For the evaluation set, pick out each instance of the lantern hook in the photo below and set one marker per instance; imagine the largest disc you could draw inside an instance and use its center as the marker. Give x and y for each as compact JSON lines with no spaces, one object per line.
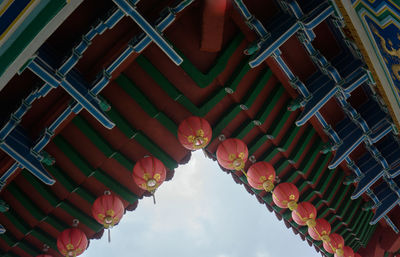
{"x":75,"y":223}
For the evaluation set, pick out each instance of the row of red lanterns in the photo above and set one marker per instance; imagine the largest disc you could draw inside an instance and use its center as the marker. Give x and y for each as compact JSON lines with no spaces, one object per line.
{"x":148,"y":174}
{"x":195,"y":133}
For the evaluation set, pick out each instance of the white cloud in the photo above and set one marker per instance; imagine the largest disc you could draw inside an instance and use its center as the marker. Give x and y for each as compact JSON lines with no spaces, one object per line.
{"x":262,"y":254}
{"x":200,"y":212}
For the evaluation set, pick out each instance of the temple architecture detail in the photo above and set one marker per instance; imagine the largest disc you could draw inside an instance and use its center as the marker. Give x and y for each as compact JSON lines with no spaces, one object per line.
{"x":308,"y":88}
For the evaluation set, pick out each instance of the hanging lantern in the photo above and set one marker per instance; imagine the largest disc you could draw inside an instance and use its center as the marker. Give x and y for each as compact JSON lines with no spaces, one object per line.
{"x":320,"y":231}
{"x":305,"y":214}
{"x":108,"y":210}
{"x":149,"y":173}
{"x":357,"y":255}
{"x":347,"y":252}
{"x":334,"y":244}
{"x":194,"y":133}
{"x":261,"y":175}
{"x":286,"y":195}
{"x":232,"y":154}
{"x":72,"y":242}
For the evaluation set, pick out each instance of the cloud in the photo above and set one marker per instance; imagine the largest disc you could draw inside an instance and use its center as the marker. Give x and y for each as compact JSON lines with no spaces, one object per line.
{"x":262,"y":254}
{"x":200,"y":212}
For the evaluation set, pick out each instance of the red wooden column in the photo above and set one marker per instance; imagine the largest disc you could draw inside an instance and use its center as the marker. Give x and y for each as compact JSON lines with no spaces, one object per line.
{"x":213,"y":25}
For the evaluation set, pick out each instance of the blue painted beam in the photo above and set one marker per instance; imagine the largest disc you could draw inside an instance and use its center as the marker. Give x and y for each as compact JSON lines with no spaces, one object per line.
{"x":386,"y":205}
{"x":373,"y":128}
{"x":319,"y":98}
{"x":251,"y":21}
{"x":98,"y":86}
{"x":278,"y":37}
{"x":73,"y":86}
{"x":295,"y":8}
{"x":292,"y":25}
{"x":352,"y":136}
{"x":130,"y":9}
{"x":367,"y":180}
{"x":18,"y":148}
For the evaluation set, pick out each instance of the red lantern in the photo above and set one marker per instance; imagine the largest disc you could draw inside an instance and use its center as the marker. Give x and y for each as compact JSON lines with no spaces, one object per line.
{"x":305,"y":214}
{"x":334,"y":244}
{"x":44,"y":255}
{"x":320,"y":231}
{"x":232,"y":154}
{"x":286,"y":195}
{"x":72,"y":242}
{"x":149,"y":173}
{"x":108,"y":210}
{"x":194,"y":133}
{"x":261,"y":175}
{"x":347,"y":252}
{"x":357,"y":255}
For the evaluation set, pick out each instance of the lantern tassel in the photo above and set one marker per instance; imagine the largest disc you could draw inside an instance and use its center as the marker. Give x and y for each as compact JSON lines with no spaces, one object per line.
{"x":153,"y":194}
{"x":244,"y":173}
{"x":109,"y":236}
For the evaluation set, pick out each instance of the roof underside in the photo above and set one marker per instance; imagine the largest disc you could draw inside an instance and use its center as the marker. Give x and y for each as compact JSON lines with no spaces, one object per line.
{"x":149,"y":96}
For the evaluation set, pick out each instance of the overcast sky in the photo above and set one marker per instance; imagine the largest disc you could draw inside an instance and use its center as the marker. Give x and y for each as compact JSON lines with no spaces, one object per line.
{"x":201,"y":212}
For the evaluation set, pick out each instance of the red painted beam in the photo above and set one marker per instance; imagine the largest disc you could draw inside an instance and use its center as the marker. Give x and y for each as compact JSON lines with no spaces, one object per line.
{"x":213,"y":25}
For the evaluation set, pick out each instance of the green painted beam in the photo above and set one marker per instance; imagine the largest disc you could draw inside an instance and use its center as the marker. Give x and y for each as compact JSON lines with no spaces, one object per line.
{"x":203,"y":80}
{"x":256,"y":89}
{"x":301,"y":184}
{"x":339,"y":197}
{"x":257,"y":143}
{"x":241,"y":70}
{"x":301,"y":145}
{"x":319,"y":169}
{"x":101,"y":143}
{"x":17,"y":221}
{"x":93,"y":135}
{"x":364,"y":228}
{"x":100,"y":175}
{"x":269,"y":154}
{"x":82,"y":217}
{"x":75,"y":157}
{"x":369,"y":234}
{"x":287,"y":139}
{"x":28,"y":248}
{"x":310,"y":157}
{"x":153,"y":148}
{"x":121,"y":123}
{"x":348,"y":217}
{"x":225,"y":119}
{"x":25,"y":229}
{"x":243,"y":129}
{"x":276,"y":126}
{"x":323,"y":183}
{"x":290,"y":176}
{"x":334,"y":186}
{"x":346,"y":205}
{"x":116,"y":187}
{"x":270,"y":103}
{"x":135,"y":93}
{"x":25,"y":201}
{"x":178,"y":96}
{"x":282,"y":164}
{"x":69,"y":208}
{"x":360,"y":222}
